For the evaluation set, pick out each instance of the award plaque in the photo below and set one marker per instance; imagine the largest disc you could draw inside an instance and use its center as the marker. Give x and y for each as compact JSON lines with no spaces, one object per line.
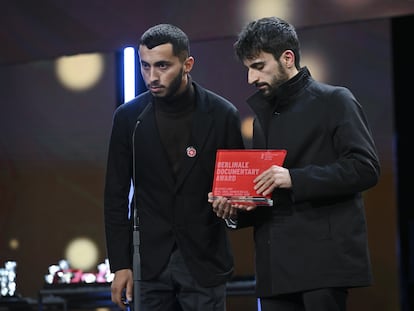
{"x":236,"y":169}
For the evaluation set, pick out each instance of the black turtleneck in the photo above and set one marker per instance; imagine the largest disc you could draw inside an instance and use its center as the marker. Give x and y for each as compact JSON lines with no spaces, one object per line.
{"x":174,"y":121}
{"x":283,"y":93}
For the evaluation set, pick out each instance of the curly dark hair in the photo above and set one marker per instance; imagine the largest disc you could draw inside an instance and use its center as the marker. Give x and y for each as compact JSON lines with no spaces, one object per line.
{"x":269,"y":34}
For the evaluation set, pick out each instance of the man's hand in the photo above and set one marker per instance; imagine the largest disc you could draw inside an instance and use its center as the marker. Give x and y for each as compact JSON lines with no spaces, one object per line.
{"x":123,"y":280}
{"x":226,"y":209}
{"x":222,"y":206}
{"x":272,"y":178}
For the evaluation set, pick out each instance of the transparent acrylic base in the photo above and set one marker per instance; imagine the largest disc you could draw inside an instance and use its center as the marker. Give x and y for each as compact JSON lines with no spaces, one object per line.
{"x":245,"y":200}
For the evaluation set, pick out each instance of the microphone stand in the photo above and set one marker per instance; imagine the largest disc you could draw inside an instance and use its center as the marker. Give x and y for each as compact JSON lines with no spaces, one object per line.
{"x":136,"y":261}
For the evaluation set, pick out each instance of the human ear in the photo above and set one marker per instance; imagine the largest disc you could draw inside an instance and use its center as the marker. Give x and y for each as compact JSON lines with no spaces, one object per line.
{"x":288,"y":58}
{"x":188,"y":64}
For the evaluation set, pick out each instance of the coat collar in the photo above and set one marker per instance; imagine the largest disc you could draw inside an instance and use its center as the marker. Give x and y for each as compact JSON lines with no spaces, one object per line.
{"x":287,"y":90}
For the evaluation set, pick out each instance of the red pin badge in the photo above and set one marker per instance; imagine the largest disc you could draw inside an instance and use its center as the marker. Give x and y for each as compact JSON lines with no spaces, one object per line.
{"x":191,"y":152}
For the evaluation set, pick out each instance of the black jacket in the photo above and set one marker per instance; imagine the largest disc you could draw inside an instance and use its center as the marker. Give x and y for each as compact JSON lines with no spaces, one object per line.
{"x":172,"y":210}
{"x":315,"y":235}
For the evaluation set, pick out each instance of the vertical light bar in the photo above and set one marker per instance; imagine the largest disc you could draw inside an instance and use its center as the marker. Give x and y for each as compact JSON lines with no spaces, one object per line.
{"x":129,"y":74}
{"x":129,"y":93}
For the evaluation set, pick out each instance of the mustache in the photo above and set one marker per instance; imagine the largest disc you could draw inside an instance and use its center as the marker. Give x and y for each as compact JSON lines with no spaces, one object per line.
{"x":259,"y":84}
{"x":154,"y":84}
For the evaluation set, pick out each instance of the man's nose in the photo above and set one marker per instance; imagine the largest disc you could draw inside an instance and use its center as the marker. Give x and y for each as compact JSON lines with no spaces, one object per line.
{"x":251,"y":77}
{"x":153,"y":75}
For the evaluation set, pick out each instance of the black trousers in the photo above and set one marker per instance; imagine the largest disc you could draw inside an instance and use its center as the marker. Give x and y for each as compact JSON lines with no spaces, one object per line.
{"x":325,"y":299}
{"x":176,"y":290}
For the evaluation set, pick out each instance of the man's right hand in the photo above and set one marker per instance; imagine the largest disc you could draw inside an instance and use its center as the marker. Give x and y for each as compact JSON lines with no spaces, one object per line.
{"x":123,"y":280}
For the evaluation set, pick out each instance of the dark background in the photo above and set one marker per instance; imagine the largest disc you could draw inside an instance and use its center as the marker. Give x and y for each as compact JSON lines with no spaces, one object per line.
{"x":53,"y":147}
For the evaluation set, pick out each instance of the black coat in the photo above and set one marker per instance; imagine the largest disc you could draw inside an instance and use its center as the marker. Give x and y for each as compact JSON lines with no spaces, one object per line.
{"x":172,"y":210}
{"x":315,"y":235}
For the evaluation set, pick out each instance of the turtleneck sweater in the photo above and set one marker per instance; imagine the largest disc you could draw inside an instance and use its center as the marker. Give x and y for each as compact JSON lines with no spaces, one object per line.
{"x":174,"y":121}
{"x":283,"y":93}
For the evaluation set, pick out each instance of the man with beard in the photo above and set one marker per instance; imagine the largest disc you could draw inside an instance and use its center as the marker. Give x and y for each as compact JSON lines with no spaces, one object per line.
{"x":165,"y":141}
{"x":311,"y":246}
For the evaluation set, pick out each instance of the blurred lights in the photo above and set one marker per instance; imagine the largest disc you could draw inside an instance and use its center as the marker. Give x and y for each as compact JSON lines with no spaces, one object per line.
{"x":8,"y":279}
{"x":254,"y":9}
{"x":247,"y":127}
{"x":79,"y":72}
{"x":14,"y":244}
{"x":82,"y":253}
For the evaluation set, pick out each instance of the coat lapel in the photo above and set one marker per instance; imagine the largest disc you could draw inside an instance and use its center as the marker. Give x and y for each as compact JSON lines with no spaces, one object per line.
{"x":202,"y":123}
{"x":148,"y":137}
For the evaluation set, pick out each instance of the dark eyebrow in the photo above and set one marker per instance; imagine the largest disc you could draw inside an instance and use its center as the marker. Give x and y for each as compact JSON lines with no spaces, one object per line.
{"x":257,"y":64}
{"x":161,"y":62}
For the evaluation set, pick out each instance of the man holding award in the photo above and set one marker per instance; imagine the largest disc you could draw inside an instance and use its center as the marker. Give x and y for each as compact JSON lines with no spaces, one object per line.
{"x":311,"y":243}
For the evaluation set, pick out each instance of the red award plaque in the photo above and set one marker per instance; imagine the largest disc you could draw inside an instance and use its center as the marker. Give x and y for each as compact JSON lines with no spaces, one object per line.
{"x":236,"y":169}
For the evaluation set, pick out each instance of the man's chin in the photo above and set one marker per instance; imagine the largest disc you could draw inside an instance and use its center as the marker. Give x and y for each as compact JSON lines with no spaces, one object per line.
{"x":158,"y":94}
{"x":265,"y":92}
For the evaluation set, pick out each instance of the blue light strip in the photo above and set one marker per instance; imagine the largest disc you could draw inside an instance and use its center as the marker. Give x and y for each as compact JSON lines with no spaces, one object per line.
{"x":129,"y":93}
{"x":129,"y":74}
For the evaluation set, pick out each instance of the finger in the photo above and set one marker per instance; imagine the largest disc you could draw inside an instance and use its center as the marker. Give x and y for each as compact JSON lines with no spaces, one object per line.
{"x":129,"y":291}
{"x":268,"y":189}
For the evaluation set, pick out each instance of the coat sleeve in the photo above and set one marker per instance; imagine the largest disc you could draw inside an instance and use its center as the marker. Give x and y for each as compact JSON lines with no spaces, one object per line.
{"x":355,"y":166}
{"x":118,"y":225}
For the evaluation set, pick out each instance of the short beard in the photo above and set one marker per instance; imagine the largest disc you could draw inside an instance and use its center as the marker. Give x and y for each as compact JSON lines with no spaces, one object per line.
{"x":174,"y":86}
{"x":277,"y":81}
